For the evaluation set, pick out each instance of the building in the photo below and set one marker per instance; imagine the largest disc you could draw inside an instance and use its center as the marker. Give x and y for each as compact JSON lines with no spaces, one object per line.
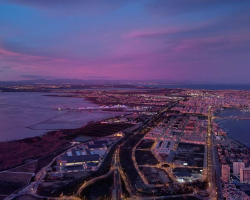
{"x":78,"y":160}
{"x":97,"y":148}
{"x":164,"y":147}
{"x":225,"y":173}
{"x":237,"y":166}
{"x":230,"y":192}
{"x":56,"y":176}
{"x":245,"y":175}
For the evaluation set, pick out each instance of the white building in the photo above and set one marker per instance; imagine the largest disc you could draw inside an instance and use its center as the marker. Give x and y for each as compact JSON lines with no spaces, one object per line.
{"x":237,"y":166}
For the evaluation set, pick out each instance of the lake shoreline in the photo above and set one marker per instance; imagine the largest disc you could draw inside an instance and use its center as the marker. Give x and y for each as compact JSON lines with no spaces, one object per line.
{"x":16,"y":152}
{"x":232,"y":134}
{"x":19,"y":152}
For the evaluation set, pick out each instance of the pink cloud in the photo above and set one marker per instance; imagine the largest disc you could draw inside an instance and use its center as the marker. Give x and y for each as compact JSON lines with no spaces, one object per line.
{"x":153,"y":32}
{"x":148,"y":33}
{"x":216,"y":43}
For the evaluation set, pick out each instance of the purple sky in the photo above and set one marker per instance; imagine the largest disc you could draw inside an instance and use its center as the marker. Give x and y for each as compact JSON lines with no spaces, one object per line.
{"x":198,"y":41}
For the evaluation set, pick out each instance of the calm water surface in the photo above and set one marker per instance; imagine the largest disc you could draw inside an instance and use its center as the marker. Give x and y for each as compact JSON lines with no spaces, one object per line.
{"x":238,"y":129}
{"x":205,"y":86}
{"x":30,"y":114}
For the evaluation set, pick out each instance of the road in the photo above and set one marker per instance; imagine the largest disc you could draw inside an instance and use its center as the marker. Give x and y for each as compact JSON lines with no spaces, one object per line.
{"x":159,"y":197}
{"x":85,"y":184}
{"x":116,"y":168}
{"x":32,"y":187}
{"x":117,"y":177}
{"x":218,"y":175}
{"x":112,"y":169}
{"x":210,"y":160}
{"x":166,"y":197}
{"x":125,"y":179}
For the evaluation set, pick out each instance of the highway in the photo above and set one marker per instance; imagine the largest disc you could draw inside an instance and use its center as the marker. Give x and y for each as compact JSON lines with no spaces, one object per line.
{"x":211,"y":160}
{"x":218,"y":175}
{"x":117,"y":178}
{"x":114,"y":168}
{"x":166,"y":197}
{"x":118,"y":173}
{"x":85,"y":184}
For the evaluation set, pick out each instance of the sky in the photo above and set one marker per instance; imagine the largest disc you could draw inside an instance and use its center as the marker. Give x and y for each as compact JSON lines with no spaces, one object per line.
{"x":188,"y":41}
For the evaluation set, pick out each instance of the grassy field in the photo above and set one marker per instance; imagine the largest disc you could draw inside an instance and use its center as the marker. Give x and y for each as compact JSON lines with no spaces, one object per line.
{"x":18,"y":152}
{"x":127,"y":162}
{"x":96,"y":130}
{"x":27,"y":197}
{"x":10,"y":182}
{"x":145,"y":158}
{"x":30,"y":168}
{"x":94,"y":191}
{"x":145,"y":144}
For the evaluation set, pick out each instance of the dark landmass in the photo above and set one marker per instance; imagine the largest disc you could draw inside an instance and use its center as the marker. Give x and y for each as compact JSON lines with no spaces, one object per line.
{"x":127,"y":161}
{"x":54,"y":87}
{"x":145,"y":144}
{"x":96,"y":130}
{"x":72,"y":187}
{"x":10,"y":182}
{"x":15,"y":153}
{"x":28,"y":197}
{"x":145,"y":158}
{"x":94,"y":191}
{"x":19,"y":152}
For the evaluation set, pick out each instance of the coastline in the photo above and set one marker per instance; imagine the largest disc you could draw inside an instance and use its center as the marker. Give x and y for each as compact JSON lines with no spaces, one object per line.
{"x":18,"y":152}
{"x":36,"y":147}
{"x":232,"y":138}
{"x":230,"y":135}
{"x":238,"y":142}
{"x":33,"y":114}
{"x":21,"y":151}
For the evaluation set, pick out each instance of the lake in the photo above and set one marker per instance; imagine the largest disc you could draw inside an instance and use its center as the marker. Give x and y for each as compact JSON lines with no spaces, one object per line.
{"x":29,"y":114}
{"x":237,"y":129}
{"x":203,"y":86}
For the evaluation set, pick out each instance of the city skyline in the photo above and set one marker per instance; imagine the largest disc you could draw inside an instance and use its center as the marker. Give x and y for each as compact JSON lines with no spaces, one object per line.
{"x":176,"y":41}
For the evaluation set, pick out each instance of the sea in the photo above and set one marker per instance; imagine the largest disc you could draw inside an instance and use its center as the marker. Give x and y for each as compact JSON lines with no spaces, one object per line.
{"x":236,"y":129}
{"x":29,"y":114}
{"x":203,"y":86}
